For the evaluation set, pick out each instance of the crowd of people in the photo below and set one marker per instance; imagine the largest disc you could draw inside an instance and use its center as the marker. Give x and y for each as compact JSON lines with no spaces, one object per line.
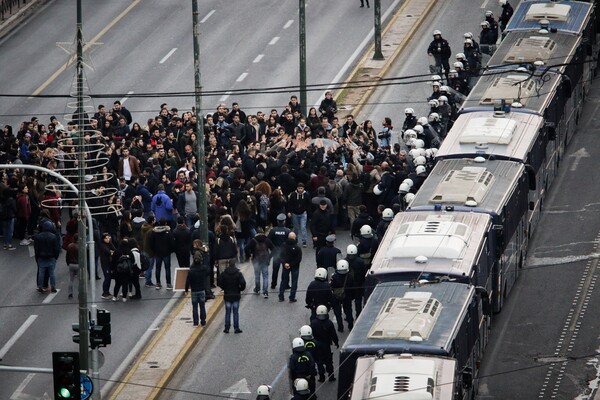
{"x":275,"y":184}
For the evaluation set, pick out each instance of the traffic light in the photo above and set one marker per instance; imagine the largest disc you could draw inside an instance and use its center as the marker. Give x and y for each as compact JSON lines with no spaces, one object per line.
{"x":65,"y":370}
{"x":100,"y":332}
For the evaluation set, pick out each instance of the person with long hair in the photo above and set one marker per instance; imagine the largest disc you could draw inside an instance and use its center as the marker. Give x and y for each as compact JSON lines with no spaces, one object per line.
{"x":244,"y":224}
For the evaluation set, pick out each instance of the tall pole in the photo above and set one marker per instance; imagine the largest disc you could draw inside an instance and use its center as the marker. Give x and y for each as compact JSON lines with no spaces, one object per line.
{"x":83,"y":274}
{"x":302,"y":36}
{"x":201,"y":165}
{"x":378,"y":55}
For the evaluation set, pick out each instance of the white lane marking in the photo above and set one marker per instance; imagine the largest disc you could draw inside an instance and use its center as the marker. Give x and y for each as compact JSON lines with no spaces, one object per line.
{"x":224,"y":97}
{"x":169,"y":54}
{"x":18,"y":394}
{"x":207,"y":16}
{"x":274,"y":40}
{"x":484,"y":4}
{"x":124,"y":99}
{"x":288,"y":24}
{"x":258,"y":58}
{"x":279,"y":376}
{"x":17,"y":335}
{"x":350,"y":62}
{"x":51,"y":296}
{"x":242,"y":77}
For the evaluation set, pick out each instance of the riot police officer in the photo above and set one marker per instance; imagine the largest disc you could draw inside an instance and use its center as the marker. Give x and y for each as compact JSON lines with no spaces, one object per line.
{"x":342,"y":286}
{"x":358,"y":271}
{"x":278,"y":236}
{"x":302,"y":364}
{"x":328,"y":255}
{"x":325,"y":335}
{"x":318,"y":293}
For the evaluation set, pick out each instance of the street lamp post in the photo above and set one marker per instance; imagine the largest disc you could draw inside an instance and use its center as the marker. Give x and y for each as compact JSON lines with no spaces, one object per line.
{"x":378,"y":55}
{"x":302,"y":36}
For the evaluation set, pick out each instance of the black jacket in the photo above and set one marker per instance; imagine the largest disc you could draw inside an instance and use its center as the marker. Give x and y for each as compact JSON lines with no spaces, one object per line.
{"x":320,"y":223}
{"x":46,"y":245}
{"x":324,"y":332}
{"x":162,"y":241}
{"x":292,"y":253}
{"x":233,"y":283}
{"x":196,"y":279}
{"x":327,"y":256}
{"x":225,"y":248}
{"x":251,"y":247}
{"x":183,"y":239}
{"x":440,"y":47}
{"x":361,"y":219}
{"x":299,"y":203}
{"x":318,"y":293}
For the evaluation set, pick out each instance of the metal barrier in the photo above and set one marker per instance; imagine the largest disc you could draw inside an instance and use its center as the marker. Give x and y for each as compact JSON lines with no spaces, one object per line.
{"x":6,"y":7}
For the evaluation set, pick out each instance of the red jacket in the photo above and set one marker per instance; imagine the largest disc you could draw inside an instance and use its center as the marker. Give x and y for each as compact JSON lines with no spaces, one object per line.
{"x":23,"y":206}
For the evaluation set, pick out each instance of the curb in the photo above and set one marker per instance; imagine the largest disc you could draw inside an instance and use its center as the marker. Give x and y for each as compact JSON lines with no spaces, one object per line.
{"x":187,"y":348}
{"x":387,"y":65}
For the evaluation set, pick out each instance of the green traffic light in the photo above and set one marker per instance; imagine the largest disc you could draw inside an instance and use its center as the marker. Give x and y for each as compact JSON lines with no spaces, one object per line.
{"x":65,"y":393}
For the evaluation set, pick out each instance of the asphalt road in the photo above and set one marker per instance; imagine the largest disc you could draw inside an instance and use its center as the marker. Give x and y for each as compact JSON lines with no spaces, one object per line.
{"x":147,"y":48}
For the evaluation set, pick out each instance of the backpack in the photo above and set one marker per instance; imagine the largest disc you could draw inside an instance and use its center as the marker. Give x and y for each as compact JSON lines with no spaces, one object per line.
{"x":125,"y":265}
{"x":340,"y":293}
{"x":261,"y":251}
{"x":144,"y":261}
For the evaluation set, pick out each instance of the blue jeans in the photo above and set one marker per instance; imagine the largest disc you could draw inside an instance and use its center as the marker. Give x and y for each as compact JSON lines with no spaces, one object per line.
{"x":148,"y":273}
{"x":236,"y":316}
{"x":8,"y":228}
{"x":167,"y":261}
{"x":285,"y":276}
{"x":261,"y":269}
{"x":241,"y":244}
{"x":198,"y":300}
{"x":46,"y":265}
{"x":299,"y":222}
{"x":107,"y":280}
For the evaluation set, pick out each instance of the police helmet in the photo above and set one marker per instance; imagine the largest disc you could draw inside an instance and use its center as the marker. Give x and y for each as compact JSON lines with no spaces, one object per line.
{"x":419,"y":144}
{"x":409,"y":182}
{"x":409,"y":111}
{"x":297,"y":344}
{"x":351,"y":249}
{"x":321,"y":273}
{"x":433,"y":151}
{"x":420,"y":161}
{"x":460,"y":56}
{"x":428,"y":153}
{"x":408,"y":198}
{"x":437,"y":32}
{"x":366,"y":231}
{"x":502,"y":2}
{"x":387,"y":214}
{"x":444,"y":89}
{"x":485,"y":24}
{"x":468,"y":41}
{"x":434,"y":117}
{"x":434,"y":103}
{"x":452,"y":73}
{"x":377,"y":190}
{"x":468,"y":35}
{"x":436,"y":83}
{"x":306,"y":331}
{"x":420,"y":169}
{"x":301,"y":386}
{"x":435,"y":78}
{"x":423,"y":121}
{"x":322,"y":312}
{"x":443,"y":99}
{"x":404,"y":188}
{"x":458,"y":64}
{"x":414,"y":153}
{"x":488,"y":13}
{"x":410,"y":134}
{"x":419,"y":128}
{"x":263,"y":390}
{"x":342,"y":267}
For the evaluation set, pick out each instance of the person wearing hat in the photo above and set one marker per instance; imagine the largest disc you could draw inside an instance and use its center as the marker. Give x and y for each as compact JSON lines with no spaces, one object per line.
{"x":320,"y":225}
{"x":328,"y":256}
{"x":278,"y":235}
{"x":321,"y":196}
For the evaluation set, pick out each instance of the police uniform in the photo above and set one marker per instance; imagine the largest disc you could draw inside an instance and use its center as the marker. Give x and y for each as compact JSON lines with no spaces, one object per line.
{"x":324,"y":335}
{"x":302,"y":365}
{"x":345,"y":284}
{"x":318,"y":294}
{"x":327,"y":256}
{"x":278,"y":236}
{"x":358,"y":271}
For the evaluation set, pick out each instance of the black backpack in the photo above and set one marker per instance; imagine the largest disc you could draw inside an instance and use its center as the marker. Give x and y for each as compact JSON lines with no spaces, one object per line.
{"x":125,"y":265}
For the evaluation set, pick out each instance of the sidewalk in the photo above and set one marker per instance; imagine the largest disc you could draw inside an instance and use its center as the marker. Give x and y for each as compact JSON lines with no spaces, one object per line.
{"x":176,"y":338}
{"x":16,"y":14}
